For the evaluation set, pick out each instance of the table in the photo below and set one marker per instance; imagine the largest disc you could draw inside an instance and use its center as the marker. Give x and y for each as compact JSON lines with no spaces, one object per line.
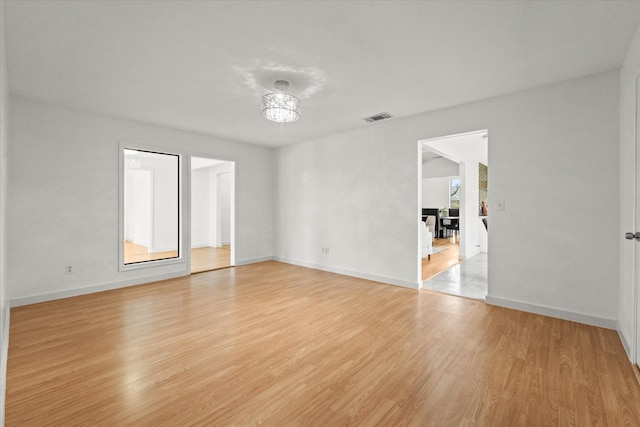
{"x":450,"y":223}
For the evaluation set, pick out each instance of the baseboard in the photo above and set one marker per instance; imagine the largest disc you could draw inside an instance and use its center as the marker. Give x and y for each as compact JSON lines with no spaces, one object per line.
{"x":254,"y":260}
{"x":626,"y":342}
{"x":359,"y":275}
{"x":201,"y":245}
{"x":473,"y":253}
{"x":4,"y":355}
{"x":34,"y":299}
{"x":157,"y":250}
{"x":553,"y":312}
{"x":636,"y":372}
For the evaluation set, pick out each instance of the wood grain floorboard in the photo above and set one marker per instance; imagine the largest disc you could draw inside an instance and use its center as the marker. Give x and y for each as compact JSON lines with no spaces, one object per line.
{"x":281,"y":345}
{"x":442,"y":260}
{"x":209,"y":258}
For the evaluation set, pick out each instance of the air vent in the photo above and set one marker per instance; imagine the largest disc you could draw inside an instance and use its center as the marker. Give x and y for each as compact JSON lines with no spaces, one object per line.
{"x":377,"y":117}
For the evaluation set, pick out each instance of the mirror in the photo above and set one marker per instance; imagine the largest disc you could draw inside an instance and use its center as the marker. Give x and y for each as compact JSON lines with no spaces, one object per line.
{"x":151,"y":207}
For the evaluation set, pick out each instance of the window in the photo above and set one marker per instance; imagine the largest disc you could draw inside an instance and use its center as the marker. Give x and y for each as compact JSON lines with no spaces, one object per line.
{"x":454,"y":193}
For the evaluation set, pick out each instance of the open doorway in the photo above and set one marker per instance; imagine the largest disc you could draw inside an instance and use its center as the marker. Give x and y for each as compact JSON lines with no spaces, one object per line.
{"x":454,"y":202}
{"x":212,"y":214}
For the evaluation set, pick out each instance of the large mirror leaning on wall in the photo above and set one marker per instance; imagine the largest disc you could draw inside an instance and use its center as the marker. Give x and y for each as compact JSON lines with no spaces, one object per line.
{"x":151,"y":206}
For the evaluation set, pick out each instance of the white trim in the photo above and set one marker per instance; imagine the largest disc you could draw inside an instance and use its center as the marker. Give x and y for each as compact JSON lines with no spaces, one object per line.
{"x":253,"y":260}
{"x":474,"y":253}
{"x":351,"y":273}
{"x":624,"y":338}
{"x":4,"y":355}
{"x":202,"y":245}
{"x":553,"y":312}
{"x":34,"y":299}
{"x":167,"y":249}
{"x":635,"y":285}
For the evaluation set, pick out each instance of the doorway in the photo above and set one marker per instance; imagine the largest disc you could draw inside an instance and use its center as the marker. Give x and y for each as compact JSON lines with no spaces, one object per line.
{"x":453,"y":190}
{"x":212,"y":214}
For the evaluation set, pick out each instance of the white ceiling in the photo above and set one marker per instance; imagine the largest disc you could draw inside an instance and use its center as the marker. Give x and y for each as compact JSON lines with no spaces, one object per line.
{"x":203,"y":66}
{"x":471,"y":146}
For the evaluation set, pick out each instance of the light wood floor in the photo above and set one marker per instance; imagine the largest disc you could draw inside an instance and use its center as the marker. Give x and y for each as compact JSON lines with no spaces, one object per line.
{"x":443,"y":260}
{"x":139,"y":253}
{"x":284,"y":345}
{"x":208,"y":258}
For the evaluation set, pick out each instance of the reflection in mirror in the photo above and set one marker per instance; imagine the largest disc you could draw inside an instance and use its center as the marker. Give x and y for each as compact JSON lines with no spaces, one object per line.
{"x":151,"y":206}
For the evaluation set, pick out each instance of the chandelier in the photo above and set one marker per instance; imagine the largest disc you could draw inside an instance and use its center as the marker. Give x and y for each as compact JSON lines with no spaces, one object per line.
{"x":280,"y":106}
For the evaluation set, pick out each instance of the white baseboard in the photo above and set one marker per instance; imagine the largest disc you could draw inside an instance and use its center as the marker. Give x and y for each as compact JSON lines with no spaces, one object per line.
{"x":553,"y":312}
{"x":626,"y":342}
{"x":3,"y":362}
{"x":254,"y":260}
{"x":372,"y":277}
{"x":34,"y":299}
{"x":167,"y":249}
{"x":471,"y":254}
{"x":201,"y":245}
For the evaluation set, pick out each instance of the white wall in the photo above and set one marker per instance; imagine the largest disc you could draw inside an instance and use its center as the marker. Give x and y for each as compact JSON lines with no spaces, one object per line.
{"x":469,"y":196}
{"x":224,"y":206}
{"x":628,"y":72}
{"x":553,"y":156}
{"x":4,"y":142}
{"x":56,"y":219}
{"x":165,"y":204}
{"x":137,"y":206}
{"x":435,"y":192}
{"x":439,"y":167}
{"x":208,"y":198}
{"x":200,"y":199}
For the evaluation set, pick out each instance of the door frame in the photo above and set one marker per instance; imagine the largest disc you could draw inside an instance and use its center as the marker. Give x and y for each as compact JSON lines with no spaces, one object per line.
{"x":635,"y":352}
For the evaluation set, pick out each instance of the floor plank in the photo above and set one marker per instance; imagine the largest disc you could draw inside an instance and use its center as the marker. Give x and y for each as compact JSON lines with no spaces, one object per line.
{"x":442,"y":260}
{"x":282,"y":345}
{"x":209,"y":258}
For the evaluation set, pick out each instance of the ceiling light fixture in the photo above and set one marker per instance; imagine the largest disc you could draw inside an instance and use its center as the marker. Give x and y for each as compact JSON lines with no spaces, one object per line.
{"x":280,"y":106}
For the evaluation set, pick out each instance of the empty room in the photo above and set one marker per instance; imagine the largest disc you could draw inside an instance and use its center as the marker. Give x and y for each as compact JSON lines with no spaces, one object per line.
{"x":288,"y":136}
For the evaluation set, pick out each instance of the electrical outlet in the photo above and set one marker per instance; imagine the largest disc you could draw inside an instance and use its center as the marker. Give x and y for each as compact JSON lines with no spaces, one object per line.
{"x":68,"y":269}
{"x":325,"y":250}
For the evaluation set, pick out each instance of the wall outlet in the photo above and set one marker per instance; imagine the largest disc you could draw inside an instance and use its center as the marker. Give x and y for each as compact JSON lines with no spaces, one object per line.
{"x":325,"y":250}
{"x":499,"y":205}
{"x":68,"y":269}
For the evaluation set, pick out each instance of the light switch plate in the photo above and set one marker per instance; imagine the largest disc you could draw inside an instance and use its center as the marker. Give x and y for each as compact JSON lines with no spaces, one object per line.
{"x":499,"y":205}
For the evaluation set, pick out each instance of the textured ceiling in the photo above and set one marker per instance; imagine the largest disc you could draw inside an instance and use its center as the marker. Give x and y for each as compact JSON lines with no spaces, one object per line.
{"x":203,"y":66}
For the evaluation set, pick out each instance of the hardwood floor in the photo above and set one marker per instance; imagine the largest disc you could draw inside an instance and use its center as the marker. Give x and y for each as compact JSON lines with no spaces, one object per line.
{"x":208,"y":258}
{"x":139,"y":253}
{"x":282,"y":345}
{"x":443,"y":260}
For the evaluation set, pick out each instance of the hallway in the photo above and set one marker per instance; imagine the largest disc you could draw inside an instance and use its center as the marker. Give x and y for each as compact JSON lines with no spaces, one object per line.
{"x":466,"y":279}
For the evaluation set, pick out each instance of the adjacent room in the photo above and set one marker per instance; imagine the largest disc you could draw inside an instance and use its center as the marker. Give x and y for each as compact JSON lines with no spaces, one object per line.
{"x":257,"y":212}
{"x":455,"y":190}
{"x":212,"y":213}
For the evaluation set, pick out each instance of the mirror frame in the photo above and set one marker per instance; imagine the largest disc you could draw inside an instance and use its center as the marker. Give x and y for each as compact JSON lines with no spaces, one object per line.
{"x":122,"y":266}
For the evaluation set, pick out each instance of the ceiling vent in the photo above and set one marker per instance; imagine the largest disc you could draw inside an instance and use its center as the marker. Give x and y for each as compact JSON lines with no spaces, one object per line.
{"x":377,"y":117}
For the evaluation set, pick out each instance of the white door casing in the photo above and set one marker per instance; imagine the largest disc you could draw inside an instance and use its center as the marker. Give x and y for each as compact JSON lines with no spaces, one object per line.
{"x":636,"y":244}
